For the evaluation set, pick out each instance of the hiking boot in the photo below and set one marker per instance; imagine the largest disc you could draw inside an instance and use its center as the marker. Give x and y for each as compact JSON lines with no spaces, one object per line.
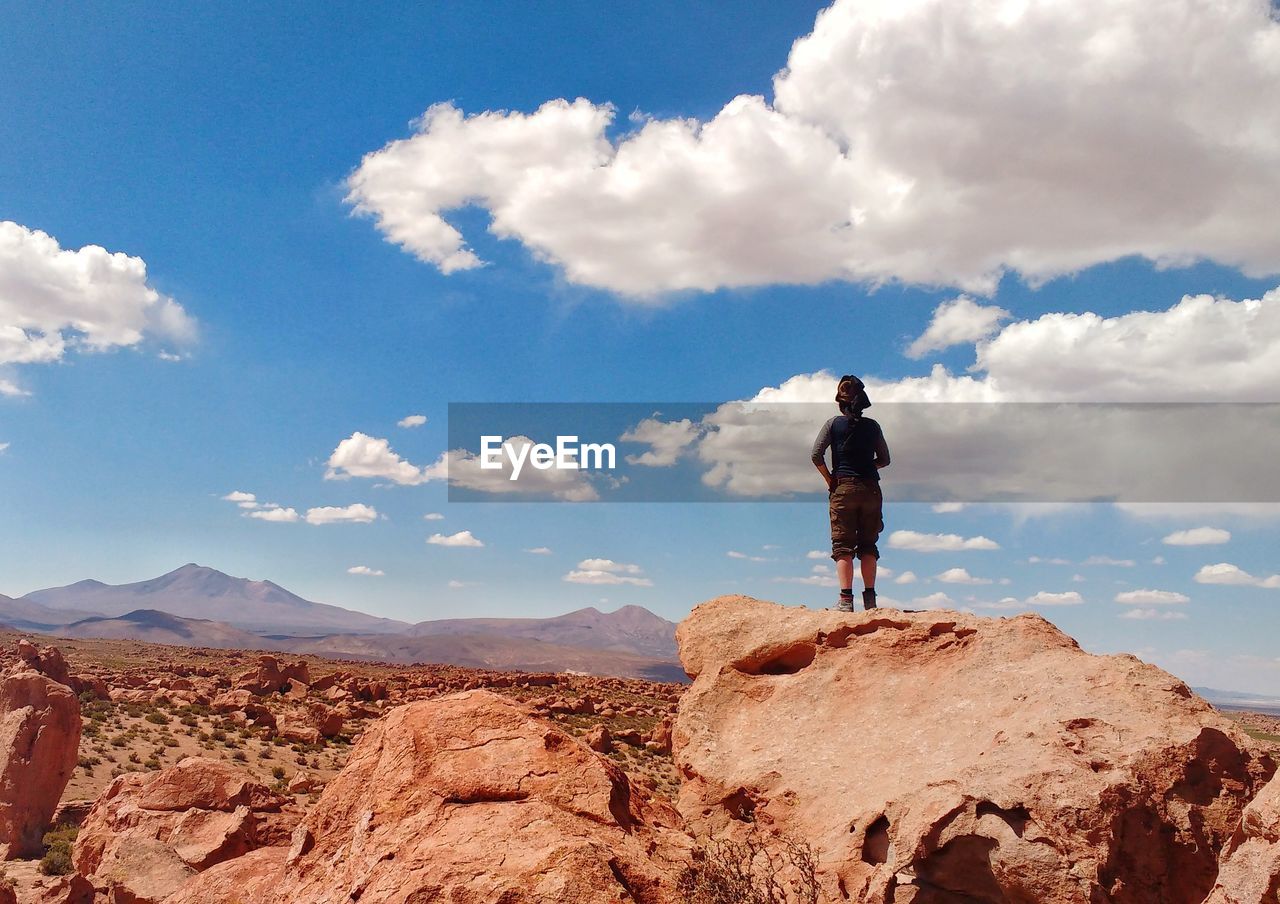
{"x":868,"y":599}
{"x":845,"y":604}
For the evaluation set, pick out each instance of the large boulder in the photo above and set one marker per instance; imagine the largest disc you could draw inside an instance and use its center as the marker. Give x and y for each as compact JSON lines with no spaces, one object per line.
{"x":467,"y":798}
{"x":1250,"y":872}
{"x":39,"y":744}
{"x":148,"y":833}
{"x":268,"y":676}
{"x":943,"y":757}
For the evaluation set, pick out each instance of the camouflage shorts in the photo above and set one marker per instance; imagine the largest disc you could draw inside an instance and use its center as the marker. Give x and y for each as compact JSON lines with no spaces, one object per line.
{"x":857,"y":518}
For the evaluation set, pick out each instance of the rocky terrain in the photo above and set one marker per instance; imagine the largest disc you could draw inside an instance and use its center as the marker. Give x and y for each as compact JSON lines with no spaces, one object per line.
{"x":886,"y":757}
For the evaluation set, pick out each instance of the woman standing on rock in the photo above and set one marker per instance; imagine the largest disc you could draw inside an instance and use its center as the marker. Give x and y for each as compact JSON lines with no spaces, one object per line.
{"x":858,"y":452}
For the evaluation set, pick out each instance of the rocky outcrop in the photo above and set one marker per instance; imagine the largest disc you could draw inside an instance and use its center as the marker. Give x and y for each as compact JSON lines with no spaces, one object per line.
{"x":39,"y":741}
{"x":270,"y":677}
{"x":1250,"y":872}
{"x":942,"y":757}
{"x":467,"y":798}
{"x":147,"y":834}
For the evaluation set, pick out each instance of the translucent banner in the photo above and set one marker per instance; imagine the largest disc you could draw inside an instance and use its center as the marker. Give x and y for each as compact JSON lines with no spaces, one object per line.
{"x":940,"y":452}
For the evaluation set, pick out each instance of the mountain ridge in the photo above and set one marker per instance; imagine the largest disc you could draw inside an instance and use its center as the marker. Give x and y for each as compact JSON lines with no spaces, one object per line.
{"x":199,"y":606}
{"x":200,"y":592}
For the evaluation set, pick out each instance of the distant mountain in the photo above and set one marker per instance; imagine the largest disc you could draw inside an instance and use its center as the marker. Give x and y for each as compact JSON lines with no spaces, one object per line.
{"x":25,"y":615}
{"x":1258,"y":703}
{"x":632,"y":630}
{"x":152,"y":626}
{"x":491,"y":651}
{"x":194,"y":591}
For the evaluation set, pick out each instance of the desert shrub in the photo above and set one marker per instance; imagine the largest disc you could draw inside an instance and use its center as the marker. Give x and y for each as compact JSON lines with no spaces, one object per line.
{"x":57,"y":854}
{"x":760,"y":869}
{"x":157,"y":718}
{"x":277,"y":772}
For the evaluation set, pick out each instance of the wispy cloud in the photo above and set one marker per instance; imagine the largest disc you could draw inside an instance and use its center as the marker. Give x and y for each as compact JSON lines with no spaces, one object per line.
{"x":366,"y":571}
{"x":1151,"y":597}
{"x":920,"y":542}
{"x":1047,"y":598}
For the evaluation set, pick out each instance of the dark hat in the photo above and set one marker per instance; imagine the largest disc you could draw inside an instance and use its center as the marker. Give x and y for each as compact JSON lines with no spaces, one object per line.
{"x":852,"y":393}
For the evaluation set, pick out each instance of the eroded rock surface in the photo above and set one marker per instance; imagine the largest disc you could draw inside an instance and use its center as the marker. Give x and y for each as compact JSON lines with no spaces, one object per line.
{"x":940,"y":757}
{"x":148,"y":834}
{"x":468,"y":797}
{"x":39,"y":741}
{"x":1250,"y":872}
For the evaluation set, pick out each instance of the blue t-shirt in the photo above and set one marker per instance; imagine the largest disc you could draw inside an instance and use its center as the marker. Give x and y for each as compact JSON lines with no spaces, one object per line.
{"x":854,"y":443}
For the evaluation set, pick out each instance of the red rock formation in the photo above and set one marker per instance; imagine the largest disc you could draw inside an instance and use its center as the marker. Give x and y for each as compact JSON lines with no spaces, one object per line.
{"x":1250,"y":872}
{"x":147,"y":834}
{"x":39,"y":741}
{"x":466,"y":798}
{"x":938,"y":756}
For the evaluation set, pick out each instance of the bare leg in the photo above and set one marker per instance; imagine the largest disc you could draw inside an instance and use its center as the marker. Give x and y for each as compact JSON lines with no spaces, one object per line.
{"x":868,"y":572}
{"x":844,"y":572}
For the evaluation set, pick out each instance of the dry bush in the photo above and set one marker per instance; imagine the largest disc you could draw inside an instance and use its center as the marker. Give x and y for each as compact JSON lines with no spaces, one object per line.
{"x":760,"y":869}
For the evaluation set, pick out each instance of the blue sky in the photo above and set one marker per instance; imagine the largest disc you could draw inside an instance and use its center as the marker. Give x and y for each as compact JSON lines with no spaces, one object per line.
{"x":217,"y":147}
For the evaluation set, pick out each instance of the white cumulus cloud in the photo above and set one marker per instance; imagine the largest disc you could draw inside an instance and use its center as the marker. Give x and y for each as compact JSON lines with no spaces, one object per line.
{"x":356,"y":513}
{"x":1226,"y":573}
{"x":461,"y":538}
{"x":607,"y":571}
{"x":1198,"y":536}
{"x":903,"y":141}
{"x":361,"y":455}
{"x":610,"y":565}
{"x":54,"y":300}
{"x":957,"y":322}
{"x":413,"y":420}
{"x":960,"y":576}
{"x":666,"y":441}
{"x":275,"y":513}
